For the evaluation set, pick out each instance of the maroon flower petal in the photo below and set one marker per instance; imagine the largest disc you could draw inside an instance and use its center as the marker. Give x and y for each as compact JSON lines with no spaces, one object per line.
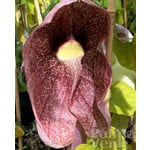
{"x":57,"y":106}
{"x":49,"y":86}
{"x":90,"y":92}
{"x":80,"y":137}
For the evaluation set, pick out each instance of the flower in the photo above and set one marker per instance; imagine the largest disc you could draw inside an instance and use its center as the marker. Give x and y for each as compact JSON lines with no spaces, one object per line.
{"x":68,"y":92}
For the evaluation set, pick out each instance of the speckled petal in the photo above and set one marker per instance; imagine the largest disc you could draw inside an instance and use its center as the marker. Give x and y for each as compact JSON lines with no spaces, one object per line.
{"x":57,"y":106}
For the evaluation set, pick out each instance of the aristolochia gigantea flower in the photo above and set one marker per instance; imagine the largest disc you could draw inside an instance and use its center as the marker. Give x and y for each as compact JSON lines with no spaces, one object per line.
{"x":67,"y":74}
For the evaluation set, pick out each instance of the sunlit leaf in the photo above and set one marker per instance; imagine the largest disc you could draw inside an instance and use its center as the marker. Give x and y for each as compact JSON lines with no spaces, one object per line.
{"x":112,"y":140}
{"x":31,"y":20}
{"x":30,"y":7}
{"x":85,"y":147}
{"x":89,"y":140}
{"x":119,"y":17}
{"x":20,"y":32}
{"x":125,"y":52}
{"x":120,"y":73}
{"x":123,"y":99}
{"x":119,"y":121}
{"x":18,"y":131}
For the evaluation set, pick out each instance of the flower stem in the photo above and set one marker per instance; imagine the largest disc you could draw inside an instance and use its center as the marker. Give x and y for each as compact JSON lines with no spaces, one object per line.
{"x":18,"y":110}
{"x":134,"y":138}
{"x":111,"y":10}
{"x":38,"y":13}
{"x":125,"y":13}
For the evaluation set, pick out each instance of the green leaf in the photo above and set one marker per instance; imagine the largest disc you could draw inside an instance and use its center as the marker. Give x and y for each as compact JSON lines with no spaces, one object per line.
{"x":134,"y":117}
{"x":85,"y":147}
{"x":20,"y":32}
{"x":22,"y":84}
{"x":120,"y":73}
{"x":129,"y":146}
{"x":18,"y":54}
{"x":119,"y":121}
{"x":118,"y":4}
{"x":125,"y":52}
{"x":41,"y":146}
{"x":112,"y":140}
{"x":119,"y":17}
{"x":31,"y":20}
{"x":18,"y":131}
{"x":49,"y":1}
{"x":51,"y":5}
{"x":131,"y":13}
{"x":99,"y":2}
{"x":123,"y":99}
{"x":30,"y":7}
